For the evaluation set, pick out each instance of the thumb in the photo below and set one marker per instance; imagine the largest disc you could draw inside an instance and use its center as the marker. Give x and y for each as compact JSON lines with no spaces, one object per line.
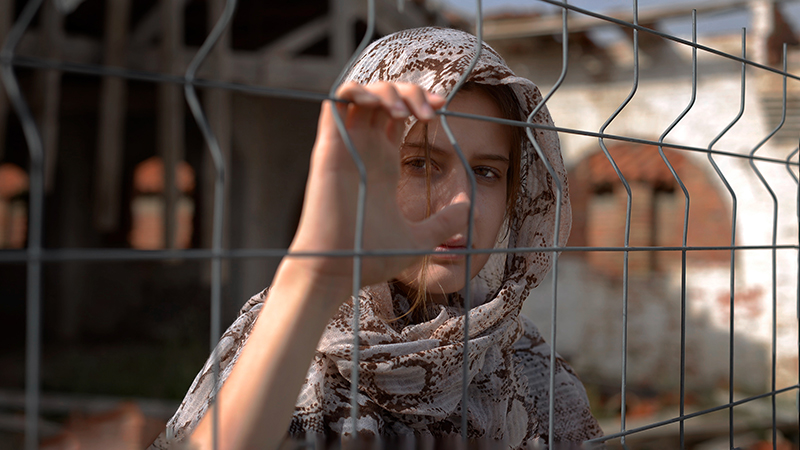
{"x":446,"y":223}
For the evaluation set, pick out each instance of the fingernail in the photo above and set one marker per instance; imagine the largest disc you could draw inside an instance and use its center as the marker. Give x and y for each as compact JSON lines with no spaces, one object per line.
{"x":368,"y":98}
{"x":427,"y":112}
{"x":399,"y":110}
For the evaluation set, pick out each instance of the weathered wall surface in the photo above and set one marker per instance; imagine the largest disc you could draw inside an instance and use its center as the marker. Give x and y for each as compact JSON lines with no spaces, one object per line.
{"x":590,"y":303}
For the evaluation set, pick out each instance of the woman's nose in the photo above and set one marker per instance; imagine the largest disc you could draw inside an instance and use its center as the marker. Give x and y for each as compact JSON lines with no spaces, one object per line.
{"x":456,"y":189}
{"x":460,"y":197}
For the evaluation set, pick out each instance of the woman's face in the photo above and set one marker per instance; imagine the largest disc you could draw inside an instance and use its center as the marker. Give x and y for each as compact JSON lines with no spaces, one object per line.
{"x":486,"y":147}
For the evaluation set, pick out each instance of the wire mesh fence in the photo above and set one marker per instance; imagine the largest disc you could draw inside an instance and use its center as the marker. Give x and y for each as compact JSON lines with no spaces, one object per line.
{"x":749,"y":164}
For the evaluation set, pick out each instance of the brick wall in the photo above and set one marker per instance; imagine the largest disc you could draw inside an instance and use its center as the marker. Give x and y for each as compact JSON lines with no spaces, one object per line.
{"x":657,"y":210}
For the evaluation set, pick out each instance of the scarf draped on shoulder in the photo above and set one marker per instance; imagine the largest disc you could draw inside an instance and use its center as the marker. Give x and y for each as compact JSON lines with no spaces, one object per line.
{"x":411,"y":373}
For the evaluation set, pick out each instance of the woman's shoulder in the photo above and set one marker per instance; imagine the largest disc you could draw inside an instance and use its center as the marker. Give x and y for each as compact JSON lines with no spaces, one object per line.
{"x":198,"y":397}
{"x":254,"y":304}
{"x":534,"y":351}
{"x":530,"y":337}
{"x":575,"y":422}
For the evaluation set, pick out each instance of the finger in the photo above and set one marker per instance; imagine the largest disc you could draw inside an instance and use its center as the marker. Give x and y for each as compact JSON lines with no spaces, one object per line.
{"x":398,"y":99}
{"x":368,"y":106}
{"x":357,"y":105}
{"x":435,"y":100}
{"x":417,"y":100}
{"x":395,"y":129}
{"x":391,"y":99}
{"x":443,"y":225}
{"x":390,"y":95}
{"x":356,"y":93}
{"x":389,"y":116}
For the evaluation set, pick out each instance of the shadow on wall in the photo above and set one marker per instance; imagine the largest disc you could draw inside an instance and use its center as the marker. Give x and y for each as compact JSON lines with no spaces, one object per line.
{"x":590,"y":332}
{"x":589,"y":336}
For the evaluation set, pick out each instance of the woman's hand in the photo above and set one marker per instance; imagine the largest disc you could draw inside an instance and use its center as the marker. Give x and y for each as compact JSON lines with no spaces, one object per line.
{"x":375,"y":119}
{"x":256,"y":402}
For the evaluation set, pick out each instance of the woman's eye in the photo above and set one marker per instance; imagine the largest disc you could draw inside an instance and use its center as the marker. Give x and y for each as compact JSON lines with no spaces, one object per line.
{"x":416,"y":164}
{"x":487,"y":173}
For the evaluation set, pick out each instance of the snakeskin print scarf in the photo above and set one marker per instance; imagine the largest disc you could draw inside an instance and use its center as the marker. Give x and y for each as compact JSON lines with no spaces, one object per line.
{"x":411,"y":373}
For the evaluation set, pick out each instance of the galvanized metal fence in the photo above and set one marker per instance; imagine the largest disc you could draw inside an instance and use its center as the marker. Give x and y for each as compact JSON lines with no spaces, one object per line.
{"x":36,"y":254}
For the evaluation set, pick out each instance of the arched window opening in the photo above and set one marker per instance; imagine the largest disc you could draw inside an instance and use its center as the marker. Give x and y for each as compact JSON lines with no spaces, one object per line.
{"x":657,"y":210}
{"x":147,"y":206}
{"x":13,"y":206}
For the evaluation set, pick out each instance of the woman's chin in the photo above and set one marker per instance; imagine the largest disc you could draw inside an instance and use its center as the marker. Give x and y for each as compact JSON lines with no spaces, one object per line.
{"x":440,"y":279}
{"x":445,"y":278}
{"x":444,"y":274}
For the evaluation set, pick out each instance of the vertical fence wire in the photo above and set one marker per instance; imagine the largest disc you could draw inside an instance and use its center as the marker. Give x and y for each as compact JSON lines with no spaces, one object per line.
{"x":774,"y":263}
{"x":627,"y":237}
{"x":219,"y":200}
{"x":733,"y":224}
{"x":557,"y":225}
{"x":797,"y":301}
{"x":684,"y":235}
{"x":35,"y":253}
{"x":465,"y":367}
{"x":358,"y":243}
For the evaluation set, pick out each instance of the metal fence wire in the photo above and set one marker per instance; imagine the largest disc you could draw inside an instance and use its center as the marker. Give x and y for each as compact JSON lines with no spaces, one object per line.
{"x":775,"y":166}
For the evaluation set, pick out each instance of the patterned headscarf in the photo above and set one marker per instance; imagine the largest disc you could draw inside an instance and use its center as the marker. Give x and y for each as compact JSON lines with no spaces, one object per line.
{"x":411,"y":373}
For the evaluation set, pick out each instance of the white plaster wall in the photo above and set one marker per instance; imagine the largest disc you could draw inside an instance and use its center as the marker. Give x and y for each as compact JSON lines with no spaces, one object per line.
{"x":590,"y":307}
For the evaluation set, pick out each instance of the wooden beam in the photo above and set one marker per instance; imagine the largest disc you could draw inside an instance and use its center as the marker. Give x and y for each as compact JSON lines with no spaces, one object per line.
{"x":76,"y":49}
{"x":307,"y":73}
{"x":111,"y":132}
{"x":171,"y":111}
{"x":49,"y":85}
{"x":149,"y":27}
{"x":62,"y":404}
{"x":219,"y":112}
{"x":389,"y":20}
{"x":6,"y":12}
{"x":520,"y":27}
{"x":297,"y":39}
{"x":341,"y":31}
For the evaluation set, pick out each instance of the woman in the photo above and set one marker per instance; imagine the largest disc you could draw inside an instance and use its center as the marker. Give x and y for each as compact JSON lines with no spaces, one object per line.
{"x":411,"y":310}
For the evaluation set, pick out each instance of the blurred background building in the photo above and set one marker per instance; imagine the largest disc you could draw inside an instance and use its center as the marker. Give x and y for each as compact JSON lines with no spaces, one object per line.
{"x":126,"y":167}
{"x":600,"y":76}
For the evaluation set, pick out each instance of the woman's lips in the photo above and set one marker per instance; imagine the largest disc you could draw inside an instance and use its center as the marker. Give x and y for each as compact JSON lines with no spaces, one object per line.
{"x":441,"y":254}
{"x":443,"y":249}
{"x":455,"y":241}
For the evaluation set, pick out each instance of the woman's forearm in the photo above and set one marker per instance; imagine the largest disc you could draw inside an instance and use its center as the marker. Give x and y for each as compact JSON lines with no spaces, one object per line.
{"x":255,"y":404}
